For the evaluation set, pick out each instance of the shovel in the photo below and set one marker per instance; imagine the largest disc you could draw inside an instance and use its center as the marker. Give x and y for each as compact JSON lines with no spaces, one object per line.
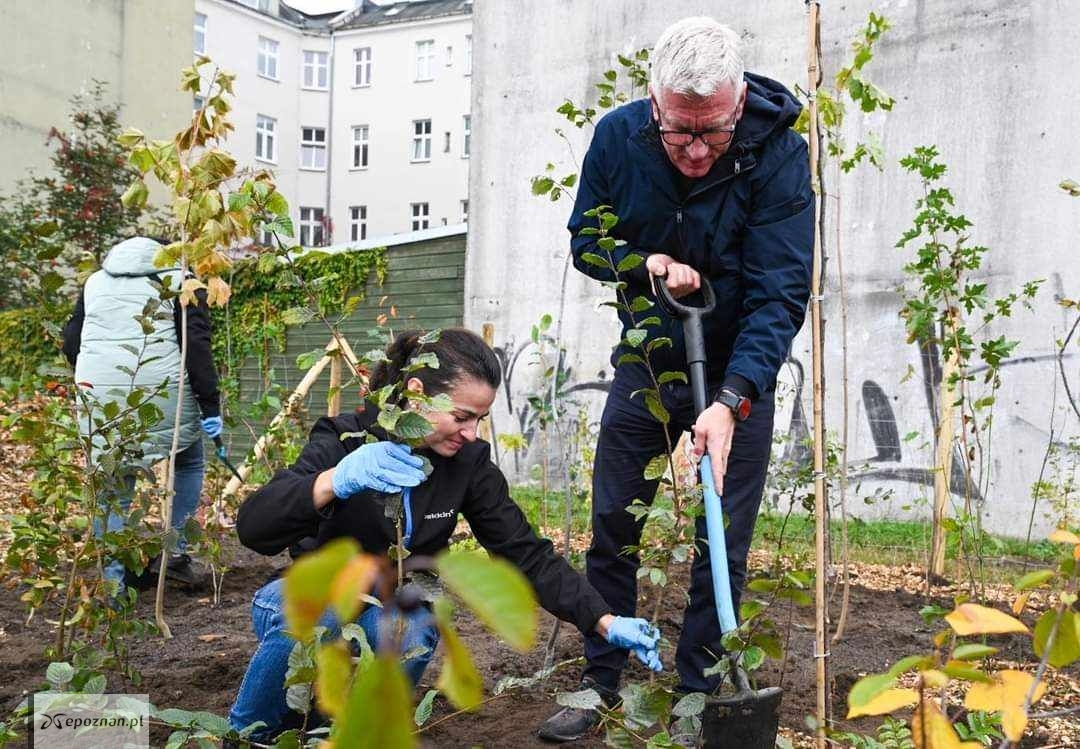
{"x":749,"y":719}
{"x":223,"y":456}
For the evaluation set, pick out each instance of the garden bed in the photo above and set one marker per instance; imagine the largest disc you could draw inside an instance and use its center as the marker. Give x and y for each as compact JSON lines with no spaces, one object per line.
{"x":201,"y":667}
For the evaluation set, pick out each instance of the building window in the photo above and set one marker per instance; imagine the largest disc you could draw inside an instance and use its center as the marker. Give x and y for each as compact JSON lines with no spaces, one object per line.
{"x":360,"y":147}
{"x":265,"y":139}
{"x":198,"y":103}
{"x":316,"y":70}
{"x":425,"y":60}
{"x":311,"y":227}
{"x":464,"y":211}
{"x":268,"y":58}
{"x":449,"y":55}
{"x":419,"y":216}
{"x":421,"y":142}
{"x":466,"y":131}
{"x":358,"y":223}
{"x":362,"y":66}
{"x":266,"y":238}
{"x":313,"y":148}
{"x":468,"y":54}
{"x":200,"y":33}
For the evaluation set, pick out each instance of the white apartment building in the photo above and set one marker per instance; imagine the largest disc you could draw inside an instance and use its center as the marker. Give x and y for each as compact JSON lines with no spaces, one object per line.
{"x":363,"y":116}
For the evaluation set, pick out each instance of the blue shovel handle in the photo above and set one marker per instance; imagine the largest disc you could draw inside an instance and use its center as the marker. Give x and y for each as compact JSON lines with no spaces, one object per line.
{"x":714,"y":522}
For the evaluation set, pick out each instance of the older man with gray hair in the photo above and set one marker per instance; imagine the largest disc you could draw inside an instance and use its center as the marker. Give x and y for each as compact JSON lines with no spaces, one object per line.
{"x":711,"y":185}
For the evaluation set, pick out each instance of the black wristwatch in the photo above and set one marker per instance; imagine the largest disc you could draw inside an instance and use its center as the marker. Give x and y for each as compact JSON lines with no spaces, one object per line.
{"x":739,"y":404}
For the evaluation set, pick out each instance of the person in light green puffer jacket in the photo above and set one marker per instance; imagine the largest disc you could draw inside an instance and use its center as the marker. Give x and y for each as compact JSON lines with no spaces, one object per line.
{"x":106,"y":343}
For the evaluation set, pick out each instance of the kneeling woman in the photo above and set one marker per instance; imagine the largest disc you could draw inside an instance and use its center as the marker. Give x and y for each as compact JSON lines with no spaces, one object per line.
{"x":336,"y":488}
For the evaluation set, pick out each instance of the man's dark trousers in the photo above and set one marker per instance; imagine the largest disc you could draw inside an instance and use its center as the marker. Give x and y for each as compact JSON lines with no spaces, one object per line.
{"x":629,"y":437}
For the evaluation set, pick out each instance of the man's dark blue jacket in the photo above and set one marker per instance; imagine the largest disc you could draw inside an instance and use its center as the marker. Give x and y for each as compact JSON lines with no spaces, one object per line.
{"x":746,"y":226}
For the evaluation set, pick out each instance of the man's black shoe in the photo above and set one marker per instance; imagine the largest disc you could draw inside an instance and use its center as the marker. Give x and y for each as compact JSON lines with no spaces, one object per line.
{"x":144,"y":580}
{"x":571,"y":723}
{"x":180,"y":569}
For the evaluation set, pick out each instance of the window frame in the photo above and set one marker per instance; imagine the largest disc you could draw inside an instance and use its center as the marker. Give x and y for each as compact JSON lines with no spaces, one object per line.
{"x":421,"y":140}
{"x":420,"y":217}
{"x":357,"y":223}
{"x":271,"y":55}
{"x":466,"y":135}
{"x":317,"y":70}
{"x":267,"y":137}
{"x":467,"y":54}
{"x":365,"y":65}
{"x":425,"y":61}
{"x":315,"y":224}
{"x":198,"y":31}
{"x":313,"y":146}
{"x":364,"y":144}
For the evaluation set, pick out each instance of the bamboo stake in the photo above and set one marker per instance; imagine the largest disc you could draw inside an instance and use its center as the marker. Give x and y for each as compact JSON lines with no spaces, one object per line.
{"x":263,"y":444}
{"x":170,"y":469}
{"x":333,"y":406}
{"x":821,"y":508}
{"x":488,"y":331}
{"x":943,"y":447}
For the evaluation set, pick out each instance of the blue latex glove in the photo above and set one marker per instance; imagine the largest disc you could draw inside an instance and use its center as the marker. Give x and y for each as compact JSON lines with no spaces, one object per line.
{"x":382,"y":466}
{"x":639,"y":637}
{"x":212,"y":425}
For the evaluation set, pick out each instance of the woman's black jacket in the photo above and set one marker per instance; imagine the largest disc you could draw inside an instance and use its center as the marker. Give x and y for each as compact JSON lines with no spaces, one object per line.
{"x":283,"y":512}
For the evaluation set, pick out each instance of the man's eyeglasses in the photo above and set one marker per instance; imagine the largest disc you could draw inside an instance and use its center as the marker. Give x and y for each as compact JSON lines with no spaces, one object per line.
{"x":714,"y":136}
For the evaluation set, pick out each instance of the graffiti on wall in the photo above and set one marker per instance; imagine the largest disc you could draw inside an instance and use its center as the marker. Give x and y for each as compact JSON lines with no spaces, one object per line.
{"x":526,"y":397}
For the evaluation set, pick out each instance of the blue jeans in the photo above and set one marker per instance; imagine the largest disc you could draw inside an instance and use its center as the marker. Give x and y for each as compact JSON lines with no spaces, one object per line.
{"x":190,"y":469}
{"x":262,"y":692}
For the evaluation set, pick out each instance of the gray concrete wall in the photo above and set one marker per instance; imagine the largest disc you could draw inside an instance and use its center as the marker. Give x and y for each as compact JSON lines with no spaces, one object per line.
{"x":58,"y":47}
{"x":989,"y":82}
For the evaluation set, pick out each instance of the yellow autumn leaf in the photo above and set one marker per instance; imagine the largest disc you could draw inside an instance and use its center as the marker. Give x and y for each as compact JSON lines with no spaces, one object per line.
{"x":885,"y":703}
{"x":1062,"y":536}
{"x":930,"y":729}
{"x":934,"y":679}
{"x":1006,"y":695}
{"x":188,"y":289}
{"x":218,"y":291}
{"x":973,"y":619}
{"x":1021,"y":603}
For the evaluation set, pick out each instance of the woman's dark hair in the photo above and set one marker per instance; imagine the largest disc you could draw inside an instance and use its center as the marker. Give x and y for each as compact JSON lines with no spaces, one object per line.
{"x":462,"y":355}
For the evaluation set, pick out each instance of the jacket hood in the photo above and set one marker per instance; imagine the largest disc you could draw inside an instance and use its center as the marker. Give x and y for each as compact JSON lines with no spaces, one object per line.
{"x":133,"y":257}
{"x":770,"y":108}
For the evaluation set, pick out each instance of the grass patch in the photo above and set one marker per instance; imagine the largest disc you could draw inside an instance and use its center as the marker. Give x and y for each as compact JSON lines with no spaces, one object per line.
{"x":888,"y":541}
{"x":892,"y":542}
{"x":550,"y":511}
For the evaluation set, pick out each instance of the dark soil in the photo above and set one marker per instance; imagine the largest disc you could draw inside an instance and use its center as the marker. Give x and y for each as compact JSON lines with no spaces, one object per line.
{"x":200,"y":668}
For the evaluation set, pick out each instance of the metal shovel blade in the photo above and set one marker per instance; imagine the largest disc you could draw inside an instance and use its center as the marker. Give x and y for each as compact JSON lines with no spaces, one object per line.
{"x":747,"y":720}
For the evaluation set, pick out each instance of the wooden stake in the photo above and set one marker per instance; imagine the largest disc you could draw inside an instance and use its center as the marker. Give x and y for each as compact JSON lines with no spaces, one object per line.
{"x":943,"y":448}
{"x":488,"y":332}
{"x":821,"y":505}
{"x":333,"y":406}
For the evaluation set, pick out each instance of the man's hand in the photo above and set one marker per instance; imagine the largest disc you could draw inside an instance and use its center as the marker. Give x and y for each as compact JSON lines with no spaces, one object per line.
{"x":635,"y":635}
{"x":713,"y":430}
{"x":681,"y":279}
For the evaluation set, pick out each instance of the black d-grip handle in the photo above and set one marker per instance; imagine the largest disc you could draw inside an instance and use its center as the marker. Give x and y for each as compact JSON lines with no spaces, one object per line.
{"x":693,"y":332}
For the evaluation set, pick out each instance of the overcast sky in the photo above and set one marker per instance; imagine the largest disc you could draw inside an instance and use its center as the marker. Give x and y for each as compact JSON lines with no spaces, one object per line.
{"x":321,"y":6}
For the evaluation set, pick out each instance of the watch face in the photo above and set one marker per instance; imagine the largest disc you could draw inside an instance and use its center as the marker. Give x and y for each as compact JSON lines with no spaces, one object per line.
{"x":743,"y":409}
